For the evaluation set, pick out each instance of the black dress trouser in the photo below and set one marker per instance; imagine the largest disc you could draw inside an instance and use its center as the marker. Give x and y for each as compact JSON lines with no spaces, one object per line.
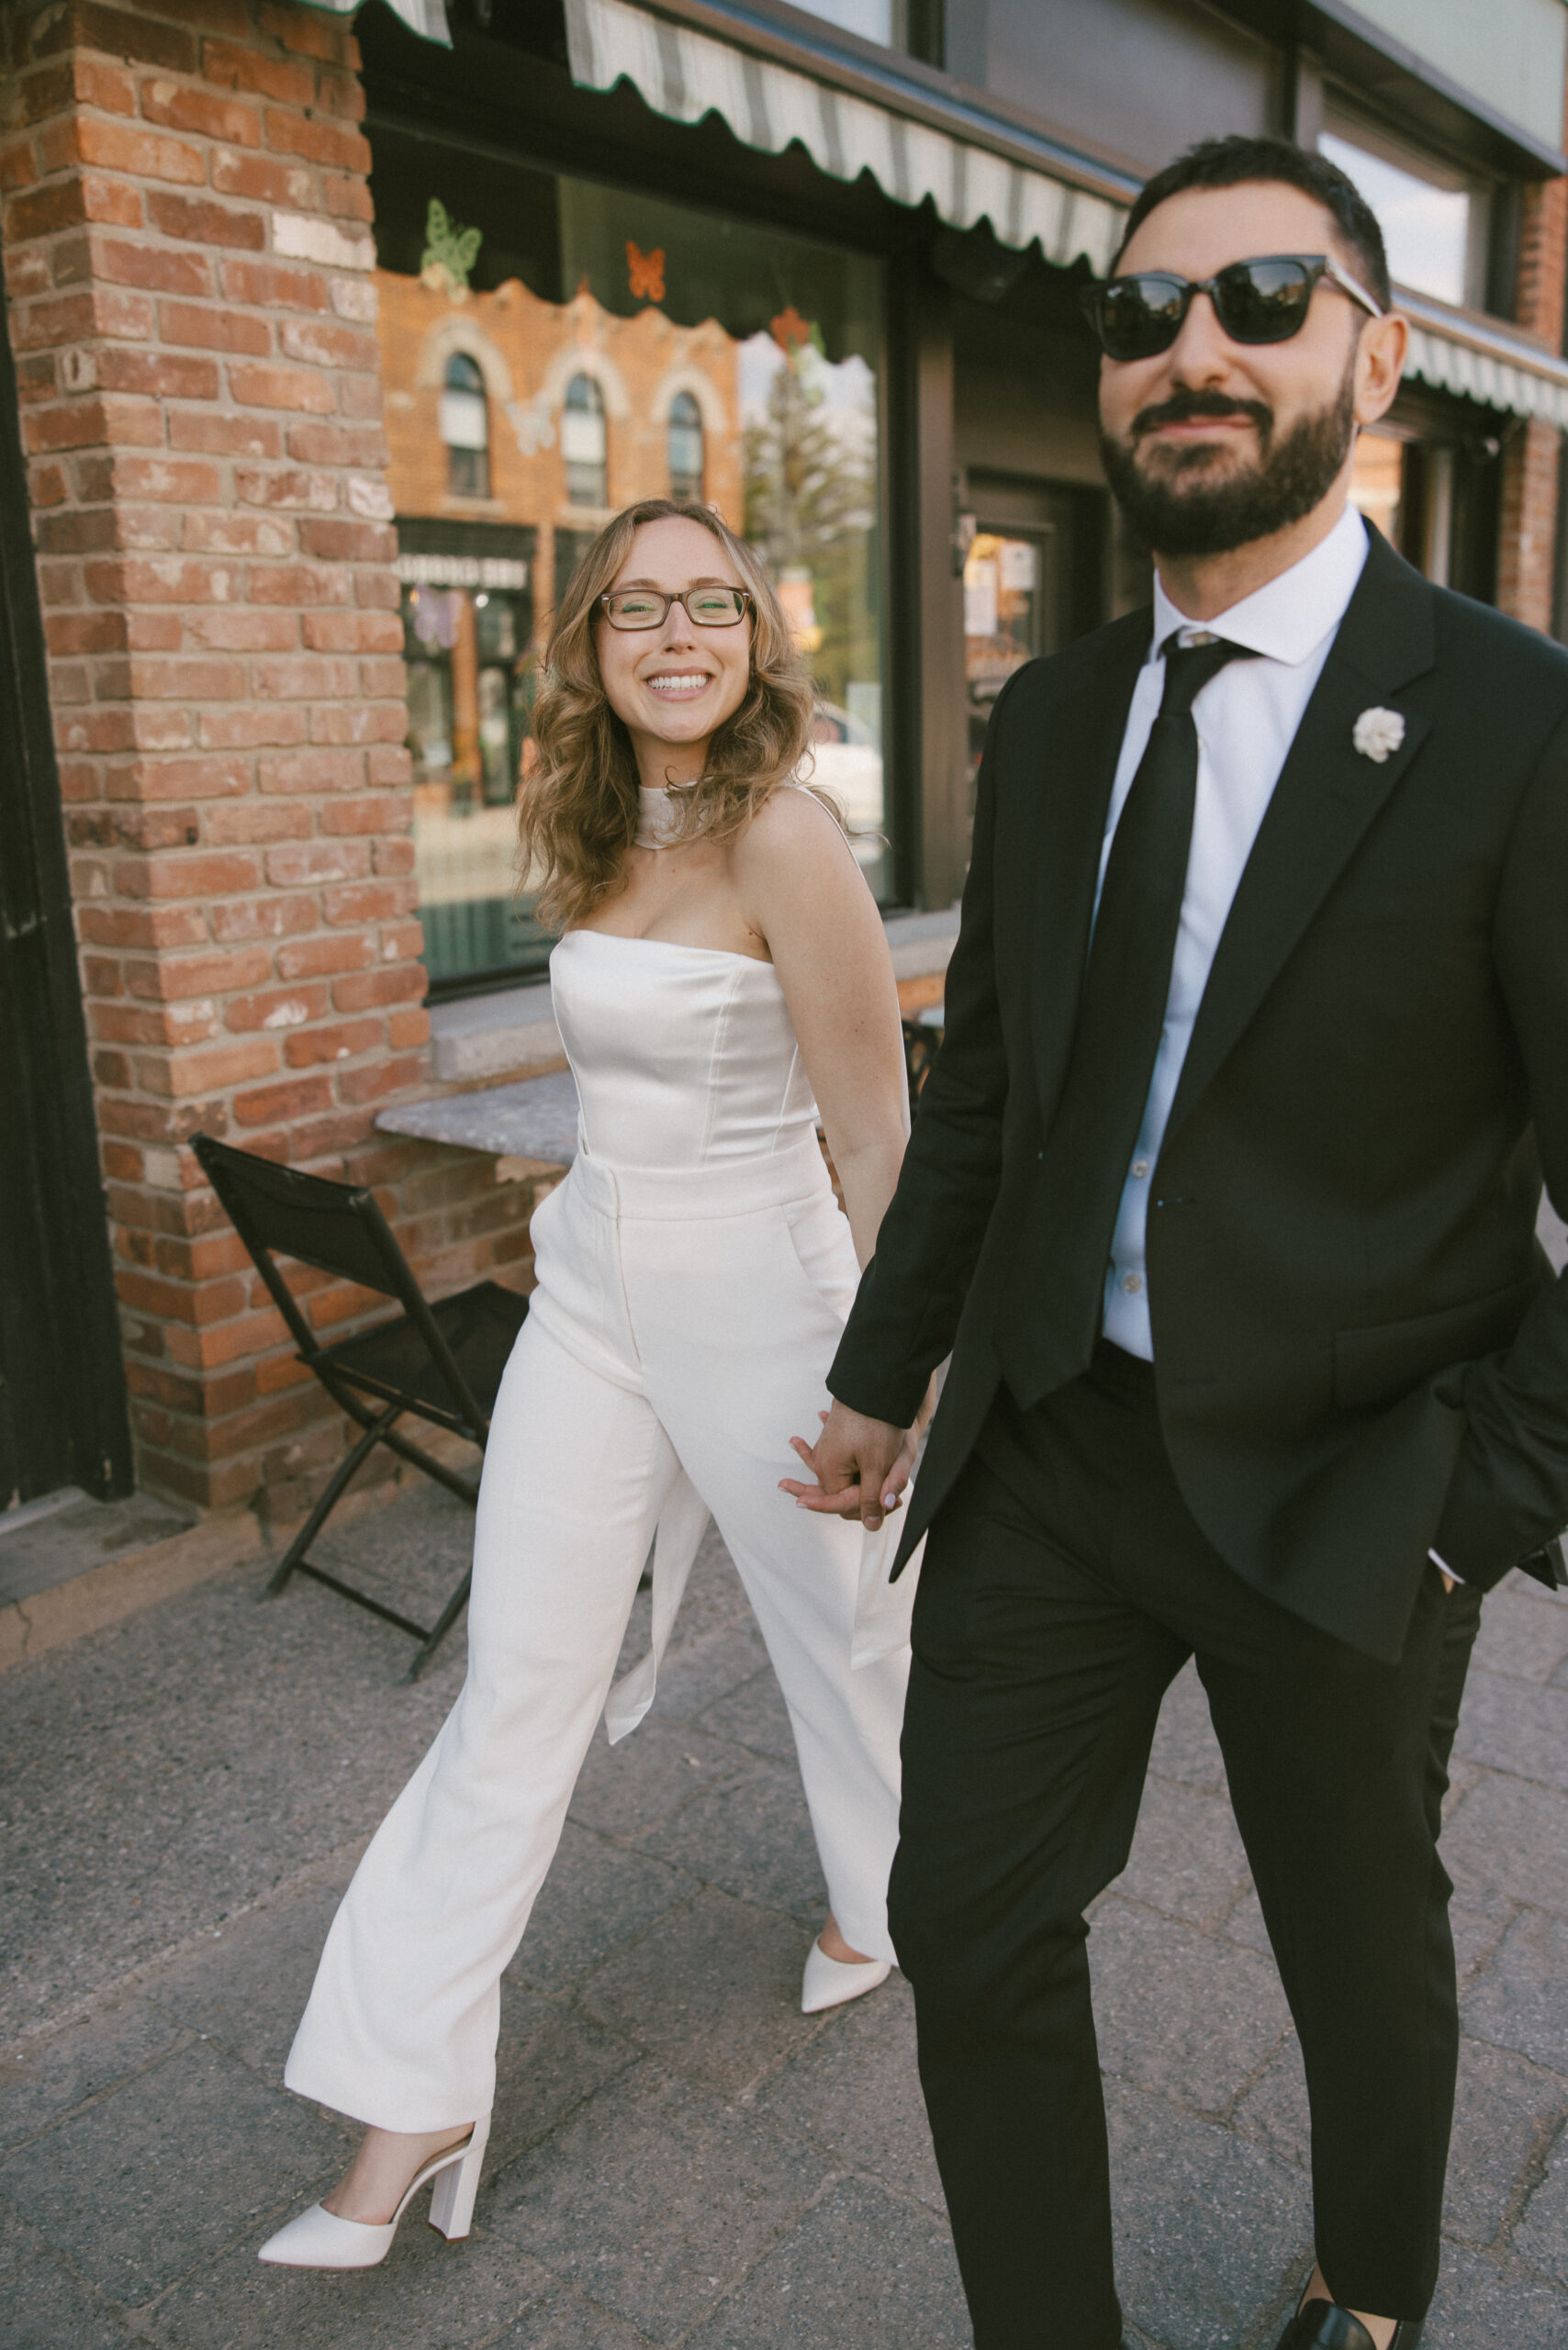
{"x":1065,"y":1585}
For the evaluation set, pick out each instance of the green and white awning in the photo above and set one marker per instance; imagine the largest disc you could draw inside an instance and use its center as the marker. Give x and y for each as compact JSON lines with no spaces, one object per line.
{"x":426,"y":17}
{"x":1483,"y":363}
{"x":684,"y":74}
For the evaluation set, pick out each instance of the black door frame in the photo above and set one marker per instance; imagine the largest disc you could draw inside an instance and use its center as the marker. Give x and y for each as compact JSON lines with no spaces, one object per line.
{"x":64,"y":1417}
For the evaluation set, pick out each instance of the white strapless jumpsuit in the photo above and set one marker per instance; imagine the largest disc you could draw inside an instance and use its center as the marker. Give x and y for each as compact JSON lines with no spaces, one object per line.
{"x":694,"y":1274}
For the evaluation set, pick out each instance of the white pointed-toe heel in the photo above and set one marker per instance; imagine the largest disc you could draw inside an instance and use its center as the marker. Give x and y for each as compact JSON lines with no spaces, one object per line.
{"x":829,"y":1982}
{"x":319,"y":2239}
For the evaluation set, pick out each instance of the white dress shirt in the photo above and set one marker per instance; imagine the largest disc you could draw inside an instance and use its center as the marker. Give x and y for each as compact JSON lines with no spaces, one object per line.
{"x":1246,"y":719}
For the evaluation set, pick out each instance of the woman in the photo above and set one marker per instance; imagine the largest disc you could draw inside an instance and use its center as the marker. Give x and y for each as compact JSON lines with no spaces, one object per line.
{"x":721,"y":964}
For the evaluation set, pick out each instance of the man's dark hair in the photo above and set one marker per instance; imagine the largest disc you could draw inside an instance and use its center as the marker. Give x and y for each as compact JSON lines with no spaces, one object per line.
{"x":1232,"y":162}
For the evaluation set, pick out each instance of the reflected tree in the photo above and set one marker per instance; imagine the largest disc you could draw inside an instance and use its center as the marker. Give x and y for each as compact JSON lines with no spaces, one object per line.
{"x":811,"y":498}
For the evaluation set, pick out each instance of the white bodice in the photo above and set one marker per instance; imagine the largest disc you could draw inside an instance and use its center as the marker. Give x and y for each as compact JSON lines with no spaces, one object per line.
{"x":684,"y":1056}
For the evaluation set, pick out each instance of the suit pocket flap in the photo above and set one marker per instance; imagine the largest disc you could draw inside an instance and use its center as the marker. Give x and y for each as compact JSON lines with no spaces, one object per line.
{"x":1375,"y":1365}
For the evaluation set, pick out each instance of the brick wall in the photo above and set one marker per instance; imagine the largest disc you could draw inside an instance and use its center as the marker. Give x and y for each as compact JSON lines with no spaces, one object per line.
{"x":1527,"y":544}
{"x":193,"y":310}
{"x":1528,"y":531}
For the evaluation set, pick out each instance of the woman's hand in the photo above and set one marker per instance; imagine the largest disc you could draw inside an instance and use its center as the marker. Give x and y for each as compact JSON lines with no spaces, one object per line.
{"x":859,"y":1466}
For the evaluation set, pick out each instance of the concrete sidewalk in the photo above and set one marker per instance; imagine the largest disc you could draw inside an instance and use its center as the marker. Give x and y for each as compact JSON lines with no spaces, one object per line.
{"x":678,"y":2156}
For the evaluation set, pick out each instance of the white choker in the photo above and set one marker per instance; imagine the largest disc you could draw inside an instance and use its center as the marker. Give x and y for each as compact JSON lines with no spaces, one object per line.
{"x":659,"y":816}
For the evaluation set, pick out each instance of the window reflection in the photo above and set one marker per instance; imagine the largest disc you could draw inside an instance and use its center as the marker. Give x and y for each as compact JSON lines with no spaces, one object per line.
{"x":618,"y":346}
{"x":1425,"y":213}
{"x":585,"y":445}
{"x":917,"y":25}
{"x":1003,"y":620}
{"x":872,"y":19}
{"x":470,"y":690}
{"x":464,"y":424}
{"x":685,"y":448}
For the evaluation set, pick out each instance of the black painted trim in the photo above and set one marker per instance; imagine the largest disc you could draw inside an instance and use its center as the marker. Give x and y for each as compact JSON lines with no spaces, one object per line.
{"x":64,"y":1415}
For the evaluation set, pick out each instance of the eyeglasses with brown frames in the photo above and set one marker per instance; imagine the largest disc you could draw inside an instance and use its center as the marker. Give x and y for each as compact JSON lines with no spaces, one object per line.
{"x":713,"y":606}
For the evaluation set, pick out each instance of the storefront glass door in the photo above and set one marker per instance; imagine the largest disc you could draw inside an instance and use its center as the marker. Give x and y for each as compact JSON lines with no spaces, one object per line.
{"x":1009,"y":585}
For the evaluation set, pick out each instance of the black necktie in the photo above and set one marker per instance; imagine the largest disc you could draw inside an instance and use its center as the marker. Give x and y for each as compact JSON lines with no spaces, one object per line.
{"x":1120,"y":1019}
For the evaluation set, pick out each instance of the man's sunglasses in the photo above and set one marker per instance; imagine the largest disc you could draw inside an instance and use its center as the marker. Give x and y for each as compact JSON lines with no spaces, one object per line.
{"x":640,"y":608}
{"x":1254,"y":301}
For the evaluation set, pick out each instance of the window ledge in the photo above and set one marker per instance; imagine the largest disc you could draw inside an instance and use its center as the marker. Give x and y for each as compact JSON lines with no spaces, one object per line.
{"x":490,"y":1035}
{"x":922,"y":943}
{"x":495,"y":1035}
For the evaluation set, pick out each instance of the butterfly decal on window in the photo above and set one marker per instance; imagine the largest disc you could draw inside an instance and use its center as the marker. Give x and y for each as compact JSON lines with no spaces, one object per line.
{"x":450,"y":252}
{"x":791,"y":332}
{"x":647,"y":272}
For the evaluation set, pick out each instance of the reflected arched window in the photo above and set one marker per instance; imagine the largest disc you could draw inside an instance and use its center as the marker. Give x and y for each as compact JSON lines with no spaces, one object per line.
{"x":584,"y":443}
{"x":685,"y":448}
{"x":466,"y":428}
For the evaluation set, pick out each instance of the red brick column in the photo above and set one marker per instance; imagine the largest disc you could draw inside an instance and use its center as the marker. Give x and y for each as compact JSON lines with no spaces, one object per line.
{"x":191,"y":303}
{"x":1528,"y":531}
{"x":1527,"y":534}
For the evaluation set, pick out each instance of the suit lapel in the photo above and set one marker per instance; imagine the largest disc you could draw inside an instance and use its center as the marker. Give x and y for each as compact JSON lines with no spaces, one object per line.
{"x":1079,"y":757}
{"x":1326,"y":798}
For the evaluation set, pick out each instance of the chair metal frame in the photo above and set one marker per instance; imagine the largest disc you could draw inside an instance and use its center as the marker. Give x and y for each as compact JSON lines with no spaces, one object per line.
{"x":234,"y":1176}
{"x":921,"y":1045}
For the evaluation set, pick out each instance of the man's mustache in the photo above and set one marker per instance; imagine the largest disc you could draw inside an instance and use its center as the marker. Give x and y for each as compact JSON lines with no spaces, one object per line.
{"x":1183,"y":406}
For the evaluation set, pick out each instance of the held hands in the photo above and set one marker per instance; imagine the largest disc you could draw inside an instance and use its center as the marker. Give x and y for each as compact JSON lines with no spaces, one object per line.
{"x":860,"y":1466}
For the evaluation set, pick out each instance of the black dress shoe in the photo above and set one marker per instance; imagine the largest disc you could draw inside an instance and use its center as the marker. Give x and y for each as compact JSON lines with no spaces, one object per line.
{"x":1323,"y":2325}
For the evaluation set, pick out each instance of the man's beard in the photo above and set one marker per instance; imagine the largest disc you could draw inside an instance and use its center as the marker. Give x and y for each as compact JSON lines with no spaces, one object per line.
{"x":1176,"y":515}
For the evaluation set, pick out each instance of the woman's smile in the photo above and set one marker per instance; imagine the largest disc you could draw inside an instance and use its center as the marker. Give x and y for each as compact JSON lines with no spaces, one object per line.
{"x":678,"y":685}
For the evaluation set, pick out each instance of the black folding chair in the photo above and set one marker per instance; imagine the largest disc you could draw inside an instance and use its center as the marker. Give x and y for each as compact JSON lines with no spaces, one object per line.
{"x":441,"y":1362}
{"x":922,"y":1041}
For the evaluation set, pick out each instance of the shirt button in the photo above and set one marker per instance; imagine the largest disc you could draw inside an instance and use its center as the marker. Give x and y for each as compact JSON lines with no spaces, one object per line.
{"x":1140,"y":1168}
{"x":1132,"y":1283}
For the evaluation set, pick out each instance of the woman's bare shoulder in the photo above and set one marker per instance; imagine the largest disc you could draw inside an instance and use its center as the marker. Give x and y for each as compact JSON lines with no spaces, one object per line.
{"x":793,"y":829}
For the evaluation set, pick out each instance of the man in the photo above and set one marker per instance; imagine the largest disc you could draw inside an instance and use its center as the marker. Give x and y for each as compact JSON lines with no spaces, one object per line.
{"x":1222,"y":1194}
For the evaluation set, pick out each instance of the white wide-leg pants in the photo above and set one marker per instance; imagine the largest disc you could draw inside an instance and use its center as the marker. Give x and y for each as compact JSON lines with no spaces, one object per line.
{"x":682,"y":1331}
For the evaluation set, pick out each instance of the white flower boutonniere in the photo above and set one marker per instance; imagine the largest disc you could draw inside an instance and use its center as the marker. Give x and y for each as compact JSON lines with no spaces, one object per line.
{"x":1379,"y":733}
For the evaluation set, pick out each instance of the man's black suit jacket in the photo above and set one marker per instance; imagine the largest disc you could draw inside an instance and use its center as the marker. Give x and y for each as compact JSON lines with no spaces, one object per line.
{"x":1360,"y":1351}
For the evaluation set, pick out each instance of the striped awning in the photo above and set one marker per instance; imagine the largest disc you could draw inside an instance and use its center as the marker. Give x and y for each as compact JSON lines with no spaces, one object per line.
{"x":1483,"y":363}
{"x":684,"y":74}
{"x":426,"y":17}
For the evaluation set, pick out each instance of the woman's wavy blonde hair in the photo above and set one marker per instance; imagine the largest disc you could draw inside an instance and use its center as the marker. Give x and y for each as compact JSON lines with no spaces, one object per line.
{"x":579,"y":810}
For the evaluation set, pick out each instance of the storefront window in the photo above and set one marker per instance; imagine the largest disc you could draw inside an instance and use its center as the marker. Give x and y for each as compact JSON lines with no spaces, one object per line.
{"x":912,"y":25}
{"x":609,"y":346}
{"x":1432,"y":218}
{"x":872,"y":19}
